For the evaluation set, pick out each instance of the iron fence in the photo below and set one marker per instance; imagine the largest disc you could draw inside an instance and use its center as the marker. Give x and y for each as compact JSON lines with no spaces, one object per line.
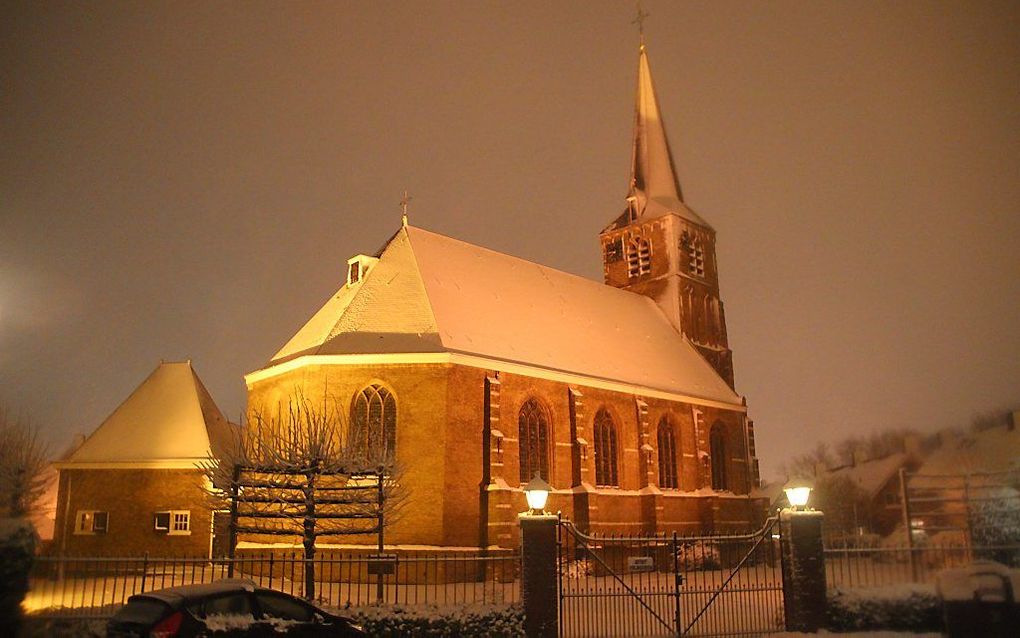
{"x":851,"y":565}
{"x":96,"y":587}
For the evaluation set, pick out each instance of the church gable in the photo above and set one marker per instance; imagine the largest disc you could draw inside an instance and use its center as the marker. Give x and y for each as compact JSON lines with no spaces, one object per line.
{"x":385,"y":310}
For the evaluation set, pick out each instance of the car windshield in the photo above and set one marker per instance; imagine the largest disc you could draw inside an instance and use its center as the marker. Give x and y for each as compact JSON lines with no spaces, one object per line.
{"x":283,"y":607}
{"x":228,"y":605}
{"x":142,"y":610}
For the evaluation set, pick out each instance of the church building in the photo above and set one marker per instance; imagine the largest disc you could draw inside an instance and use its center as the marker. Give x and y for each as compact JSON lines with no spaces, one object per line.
{"x":477,"y":370}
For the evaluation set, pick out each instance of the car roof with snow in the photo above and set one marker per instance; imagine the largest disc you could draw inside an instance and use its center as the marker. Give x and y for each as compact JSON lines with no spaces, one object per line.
{"x":176,"y":596}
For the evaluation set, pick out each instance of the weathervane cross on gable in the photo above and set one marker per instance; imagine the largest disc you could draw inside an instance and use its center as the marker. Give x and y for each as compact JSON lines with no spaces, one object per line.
{"x":404,"y":201}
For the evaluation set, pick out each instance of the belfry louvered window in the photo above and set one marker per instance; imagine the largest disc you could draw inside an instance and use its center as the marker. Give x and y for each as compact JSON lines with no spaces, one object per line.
{"x":668,"y":477}
{"x":374,"y":424}
{"x":697,"y":262}
{"x":639,"y":257}
{"x":533,"y":428}
{"x":605,"y":450}
{"x":717,"y":445}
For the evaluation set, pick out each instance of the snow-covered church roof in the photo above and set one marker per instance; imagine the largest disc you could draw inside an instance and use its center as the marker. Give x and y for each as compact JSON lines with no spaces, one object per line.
{"x":432,"y":294}
{"x":168,"y":421}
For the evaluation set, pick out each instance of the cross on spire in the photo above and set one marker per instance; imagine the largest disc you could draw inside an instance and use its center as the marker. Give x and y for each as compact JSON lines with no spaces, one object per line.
{"x":404,"y":201}
{"x":640,"y":21}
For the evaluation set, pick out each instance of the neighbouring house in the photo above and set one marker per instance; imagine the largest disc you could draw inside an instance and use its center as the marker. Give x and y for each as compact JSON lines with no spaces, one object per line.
{"x":134,"y":486}
{"x":963,"y":483}
{"x":477,"y":370}
{"x":877,"y":482}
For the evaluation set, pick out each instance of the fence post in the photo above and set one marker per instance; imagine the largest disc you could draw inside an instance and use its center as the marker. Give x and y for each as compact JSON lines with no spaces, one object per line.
{"x":145,"y":569}
{"x":678,"y":581}
{"x":538,"y":575}
{"x":272,"y":559}
{"x":803,"y":564}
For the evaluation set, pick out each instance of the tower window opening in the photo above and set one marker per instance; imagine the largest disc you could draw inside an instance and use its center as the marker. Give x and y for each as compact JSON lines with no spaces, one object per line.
{"x":696,"y":265}
{"x":639,"y":257}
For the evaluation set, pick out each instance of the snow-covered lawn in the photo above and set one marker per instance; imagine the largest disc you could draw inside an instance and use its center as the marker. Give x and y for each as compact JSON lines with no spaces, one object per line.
{"x":97,"y":595}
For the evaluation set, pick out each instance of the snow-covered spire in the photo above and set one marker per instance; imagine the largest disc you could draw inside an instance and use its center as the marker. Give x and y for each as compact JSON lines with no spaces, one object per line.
{"x":654,"y":187}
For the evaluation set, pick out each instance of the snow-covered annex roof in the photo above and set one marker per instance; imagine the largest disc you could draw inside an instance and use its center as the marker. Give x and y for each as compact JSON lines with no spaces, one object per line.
{"x":168,"y":421}
{"x":429,"y":293}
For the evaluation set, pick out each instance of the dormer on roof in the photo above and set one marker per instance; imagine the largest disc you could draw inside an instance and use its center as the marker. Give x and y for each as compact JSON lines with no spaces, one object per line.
{"x":358,"y":267}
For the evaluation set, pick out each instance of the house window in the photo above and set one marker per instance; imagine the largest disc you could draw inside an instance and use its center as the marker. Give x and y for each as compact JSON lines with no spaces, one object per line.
{"x":668,"y":477}
{"x":374,"y":424}
{"x":717,"y":444}
{"x":533,"y":428}
{"x":174,"y":522}
{"x":354,"y":273}
{"x":639,"y":257}
{"x":91,"y":522}
{"x":605,"y":450}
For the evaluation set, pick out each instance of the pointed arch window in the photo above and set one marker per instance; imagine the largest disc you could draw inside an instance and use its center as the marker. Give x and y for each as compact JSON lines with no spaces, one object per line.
{"x":533,"y":429}
{"x":717,"y":445}
{"x":639,"y":257}
{"x":605,"y":450}
{"x":668,"y":476}
{"x":374,"y":424}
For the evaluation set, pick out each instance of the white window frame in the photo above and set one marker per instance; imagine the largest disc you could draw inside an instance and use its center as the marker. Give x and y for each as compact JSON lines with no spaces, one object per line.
{"x":83,"y":528}
{"x":178,"y":522}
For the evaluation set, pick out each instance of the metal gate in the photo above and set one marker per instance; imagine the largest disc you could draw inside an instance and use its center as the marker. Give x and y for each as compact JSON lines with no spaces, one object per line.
{"x":669,"y":585}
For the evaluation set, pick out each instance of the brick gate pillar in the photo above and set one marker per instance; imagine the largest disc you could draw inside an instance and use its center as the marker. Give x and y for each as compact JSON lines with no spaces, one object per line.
{"x":538,"y":575}
{"x":803,"y":563}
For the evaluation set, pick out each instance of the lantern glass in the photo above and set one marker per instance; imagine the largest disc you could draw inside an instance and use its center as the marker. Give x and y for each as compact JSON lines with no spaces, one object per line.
{"x":798,"y":496}
{"x":537,"y":499}
{"x":537,"y":492}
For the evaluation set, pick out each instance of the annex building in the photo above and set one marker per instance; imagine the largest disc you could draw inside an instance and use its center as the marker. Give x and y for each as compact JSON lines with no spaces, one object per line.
{"x":476,"y":370}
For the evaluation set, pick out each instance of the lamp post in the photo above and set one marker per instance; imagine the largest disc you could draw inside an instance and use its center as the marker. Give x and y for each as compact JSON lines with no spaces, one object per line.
{"x":539,"y":559}
{"x":803,"y":560}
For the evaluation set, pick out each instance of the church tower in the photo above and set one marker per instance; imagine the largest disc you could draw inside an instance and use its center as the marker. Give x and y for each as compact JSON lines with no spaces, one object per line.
{"x":661,"y":248}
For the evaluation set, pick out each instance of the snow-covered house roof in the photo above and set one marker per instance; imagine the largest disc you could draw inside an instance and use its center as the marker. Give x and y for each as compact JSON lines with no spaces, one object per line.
{"x":433,"y":294}
{"x":872,"y":475}
{"x":993,"y":450}
{"x":168,"y":421}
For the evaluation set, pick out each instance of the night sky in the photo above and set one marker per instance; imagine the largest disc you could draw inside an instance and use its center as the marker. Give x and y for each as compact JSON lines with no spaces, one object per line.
{"x":187,"y":179}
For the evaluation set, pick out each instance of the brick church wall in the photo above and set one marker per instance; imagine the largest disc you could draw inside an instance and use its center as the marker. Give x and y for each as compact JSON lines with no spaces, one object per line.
{"x":420,"y":392}
{"x":460,"y":497}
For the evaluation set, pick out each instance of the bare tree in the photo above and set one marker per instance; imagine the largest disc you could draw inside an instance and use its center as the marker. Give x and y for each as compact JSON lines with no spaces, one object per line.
{"x":23,"y":461}
{"x":806,"y":465}
{"x":294,"y":471}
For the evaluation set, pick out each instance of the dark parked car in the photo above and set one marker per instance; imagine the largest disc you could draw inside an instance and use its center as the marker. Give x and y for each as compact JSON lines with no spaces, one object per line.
{"x":225,"y":609}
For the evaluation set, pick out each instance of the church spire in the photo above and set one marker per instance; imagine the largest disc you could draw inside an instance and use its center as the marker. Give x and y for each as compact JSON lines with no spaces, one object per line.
{"x":653,"y":176}
{"x":654,"y":187}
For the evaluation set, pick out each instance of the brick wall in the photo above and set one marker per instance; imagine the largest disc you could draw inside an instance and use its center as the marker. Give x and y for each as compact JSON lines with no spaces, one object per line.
{"x":131,"y":497}
{"x":458,"y":497}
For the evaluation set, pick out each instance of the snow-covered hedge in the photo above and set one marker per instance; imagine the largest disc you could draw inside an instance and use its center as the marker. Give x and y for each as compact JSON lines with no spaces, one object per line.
{"x":501,"y":621}
{"x":898,"y":607}
{"x":17,"y":546}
